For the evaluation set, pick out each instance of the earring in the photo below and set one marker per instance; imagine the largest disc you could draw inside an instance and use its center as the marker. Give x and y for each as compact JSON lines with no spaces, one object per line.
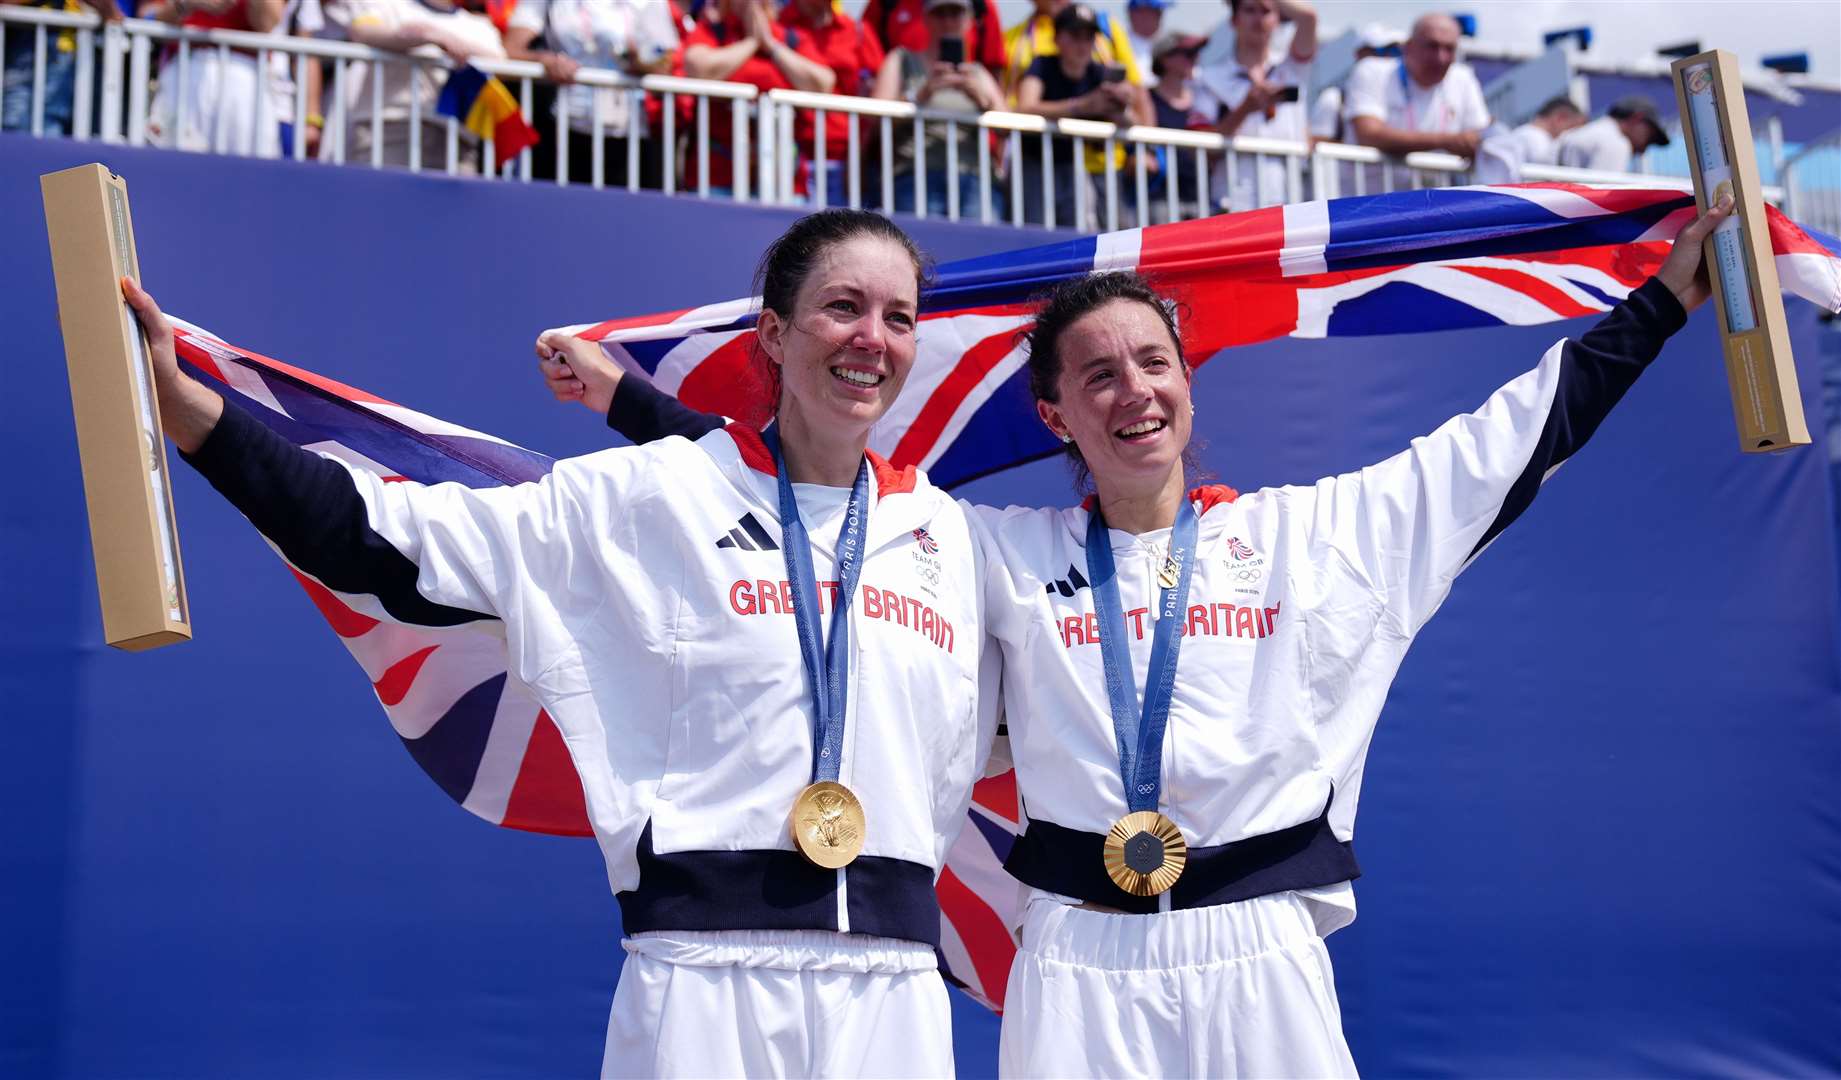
{"x":1067,"y":438}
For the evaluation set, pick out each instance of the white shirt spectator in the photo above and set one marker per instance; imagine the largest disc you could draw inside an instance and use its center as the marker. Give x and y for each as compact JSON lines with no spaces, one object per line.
{"x":1326,"y":114}
{"x":1224,"y":86}
{"x":601,"y":34}
{"x":1503,"y":154}
{"x":1140,"y":50}
{"x":1598,"y":145}
{"x":404,"y":82}
{"x":1380,"y":87}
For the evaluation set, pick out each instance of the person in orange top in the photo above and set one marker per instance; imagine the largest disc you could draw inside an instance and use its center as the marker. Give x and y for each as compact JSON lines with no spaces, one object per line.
{"x":853,"y":55}
{"x":900,"y":25}
{"x":745,"y":46}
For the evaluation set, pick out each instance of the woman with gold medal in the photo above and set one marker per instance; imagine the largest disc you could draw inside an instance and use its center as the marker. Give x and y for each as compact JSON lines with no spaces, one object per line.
{"x":1189,"y":828}
{"x":774,"y":763}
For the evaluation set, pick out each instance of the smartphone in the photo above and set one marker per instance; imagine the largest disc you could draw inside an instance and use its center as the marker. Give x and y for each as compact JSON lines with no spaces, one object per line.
{"x":1287,"y":93}
{"x":952,"y":50}
{"x":1112,"y":73}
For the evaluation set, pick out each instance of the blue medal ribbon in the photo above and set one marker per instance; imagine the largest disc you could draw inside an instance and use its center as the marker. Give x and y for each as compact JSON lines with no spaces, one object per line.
{"x":827,"y":663}
{"x":1140,"y":735}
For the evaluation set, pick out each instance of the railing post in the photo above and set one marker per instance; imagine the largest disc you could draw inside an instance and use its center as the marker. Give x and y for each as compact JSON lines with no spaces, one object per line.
{"x":83,"y":106}
{"x":113,"y":47}
{"x":140,"y":53}
{"x":768,"y":126}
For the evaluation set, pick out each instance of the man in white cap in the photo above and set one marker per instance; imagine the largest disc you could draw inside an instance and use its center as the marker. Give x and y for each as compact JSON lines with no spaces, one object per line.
{"x":1144,"y":19}
{"x":1610,"y":142}
{"x":1425,"y":100}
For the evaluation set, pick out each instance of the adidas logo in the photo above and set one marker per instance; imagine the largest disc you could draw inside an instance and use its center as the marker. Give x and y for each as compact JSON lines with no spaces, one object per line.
{"x":748,"y":536}
{"x":1068,"y":587}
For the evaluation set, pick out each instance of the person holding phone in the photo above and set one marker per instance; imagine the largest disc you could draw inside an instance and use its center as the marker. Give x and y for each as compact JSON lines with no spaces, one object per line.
{"x":939,"y":79}
{"x":1256,"y":92}
{"x":1073,"y":82}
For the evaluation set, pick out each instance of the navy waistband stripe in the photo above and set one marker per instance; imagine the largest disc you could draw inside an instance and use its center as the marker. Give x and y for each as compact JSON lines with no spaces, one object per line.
{"x":778,"y":890}
{"x":1071,"y":863}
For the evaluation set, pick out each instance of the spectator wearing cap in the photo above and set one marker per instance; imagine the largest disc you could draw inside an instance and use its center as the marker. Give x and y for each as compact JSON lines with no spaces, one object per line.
{"x":933,"y":82}
{"x":1173,"y":102}
{"x":1610,"y":142}
{"x":1143,"y":22}
{"x":1073,"y":82}
{"x":1035,"y":37}
{"x":854,"y":56}
{"x":1425,"y":100}
{"x":1502,"y":156}
{"x":1257,"y":92}
{"x":902,"y":24}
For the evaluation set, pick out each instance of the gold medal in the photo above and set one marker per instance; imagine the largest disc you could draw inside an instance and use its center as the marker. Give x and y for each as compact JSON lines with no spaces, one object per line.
{"x":828,"y":824}
{"x":1170,"y":574}
{"x":1145,"y":853}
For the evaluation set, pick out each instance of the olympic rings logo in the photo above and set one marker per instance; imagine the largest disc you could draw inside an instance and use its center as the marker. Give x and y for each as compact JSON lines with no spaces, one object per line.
{"x":1249,"y":575}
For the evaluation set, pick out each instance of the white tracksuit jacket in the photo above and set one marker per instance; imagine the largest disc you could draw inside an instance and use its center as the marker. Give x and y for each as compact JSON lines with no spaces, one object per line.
{"x":1303,"y":604}
{"x":642,"y":596}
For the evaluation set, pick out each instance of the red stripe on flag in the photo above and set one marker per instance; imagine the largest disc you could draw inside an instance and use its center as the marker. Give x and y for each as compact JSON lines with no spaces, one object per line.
{"x":933,"y":417}
{"x":727,"y":382}
{"x":1534,"y":288}
{"x":986,"y":941}
{"x":345,"y":622}
{"x":1225,"y":272}
{"x":998,"y":795}
{"x":401,"y":676}
{"x":547,"y":796}
{"x":660,"y":319}
{"x":199,"y":358}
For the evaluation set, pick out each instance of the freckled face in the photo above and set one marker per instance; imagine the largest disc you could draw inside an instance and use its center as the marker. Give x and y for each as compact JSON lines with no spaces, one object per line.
{"x":1123,"y":395}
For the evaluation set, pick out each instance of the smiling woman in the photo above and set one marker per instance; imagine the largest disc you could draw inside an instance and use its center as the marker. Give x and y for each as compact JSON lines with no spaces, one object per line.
{"x":772,"y":818}
{"x":1189,"y":830}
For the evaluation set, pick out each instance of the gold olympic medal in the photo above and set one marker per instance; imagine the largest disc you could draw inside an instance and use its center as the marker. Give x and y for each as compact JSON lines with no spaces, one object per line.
{"x":1170,"y":574}
{"x":828,"y":825}
{"x":1145,"y":853}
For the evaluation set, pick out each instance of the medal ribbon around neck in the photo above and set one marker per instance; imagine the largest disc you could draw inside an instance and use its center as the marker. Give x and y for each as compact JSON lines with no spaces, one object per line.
{"x":827,"y":664}
{"x":1144,"y":851}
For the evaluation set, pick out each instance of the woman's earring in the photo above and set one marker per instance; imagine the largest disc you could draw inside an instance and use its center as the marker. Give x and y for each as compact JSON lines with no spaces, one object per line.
{"x":1066,"y":438}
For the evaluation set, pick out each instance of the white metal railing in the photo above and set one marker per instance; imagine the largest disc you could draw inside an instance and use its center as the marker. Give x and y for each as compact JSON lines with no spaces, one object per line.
{"x":1014,"y":175}
{"x":1812,"y":183}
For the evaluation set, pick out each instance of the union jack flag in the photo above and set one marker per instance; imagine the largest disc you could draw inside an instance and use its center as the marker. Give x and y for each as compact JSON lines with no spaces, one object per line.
{"x":1383,"y":264}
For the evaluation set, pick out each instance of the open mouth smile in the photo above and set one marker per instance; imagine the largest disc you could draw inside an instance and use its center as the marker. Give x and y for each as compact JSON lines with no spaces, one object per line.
{"x":1142,"y":431}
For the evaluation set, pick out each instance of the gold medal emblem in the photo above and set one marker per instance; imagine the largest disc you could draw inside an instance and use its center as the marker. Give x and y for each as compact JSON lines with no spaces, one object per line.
{"x":1170,"y":574}
{"x":828,"y":824}
{"x":1145,"y":853}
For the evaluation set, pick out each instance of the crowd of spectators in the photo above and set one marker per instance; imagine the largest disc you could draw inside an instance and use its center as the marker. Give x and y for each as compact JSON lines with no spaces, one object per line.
{"x":1066,"y":59}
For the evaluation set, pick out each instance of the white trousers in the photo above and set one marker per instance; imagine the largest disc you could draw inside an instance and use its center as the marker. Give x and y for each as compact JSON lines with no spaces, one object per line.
{"x":805,"y":1003}
{"x":1237,"y":990}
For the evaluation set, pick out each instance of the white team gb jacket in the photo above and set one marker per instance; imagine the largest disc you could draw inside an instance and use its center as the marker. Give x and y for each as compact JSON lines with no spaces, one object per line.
{"x":1303,"y":603}
{"x":643,"y":599}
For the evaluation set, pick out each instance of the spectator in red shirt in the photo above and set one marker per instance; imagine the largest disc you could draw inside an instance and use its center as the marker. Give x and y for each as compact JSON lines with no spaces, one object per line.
{"x":745,"y":46}
{"x":899,"y":24}
{"x":853,"y":55}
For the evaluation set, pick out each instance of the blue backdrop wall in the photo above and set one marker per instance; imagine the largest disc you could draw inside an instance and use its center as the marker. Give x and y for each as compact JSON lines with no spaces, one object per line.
{"x":1600,"y":828}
